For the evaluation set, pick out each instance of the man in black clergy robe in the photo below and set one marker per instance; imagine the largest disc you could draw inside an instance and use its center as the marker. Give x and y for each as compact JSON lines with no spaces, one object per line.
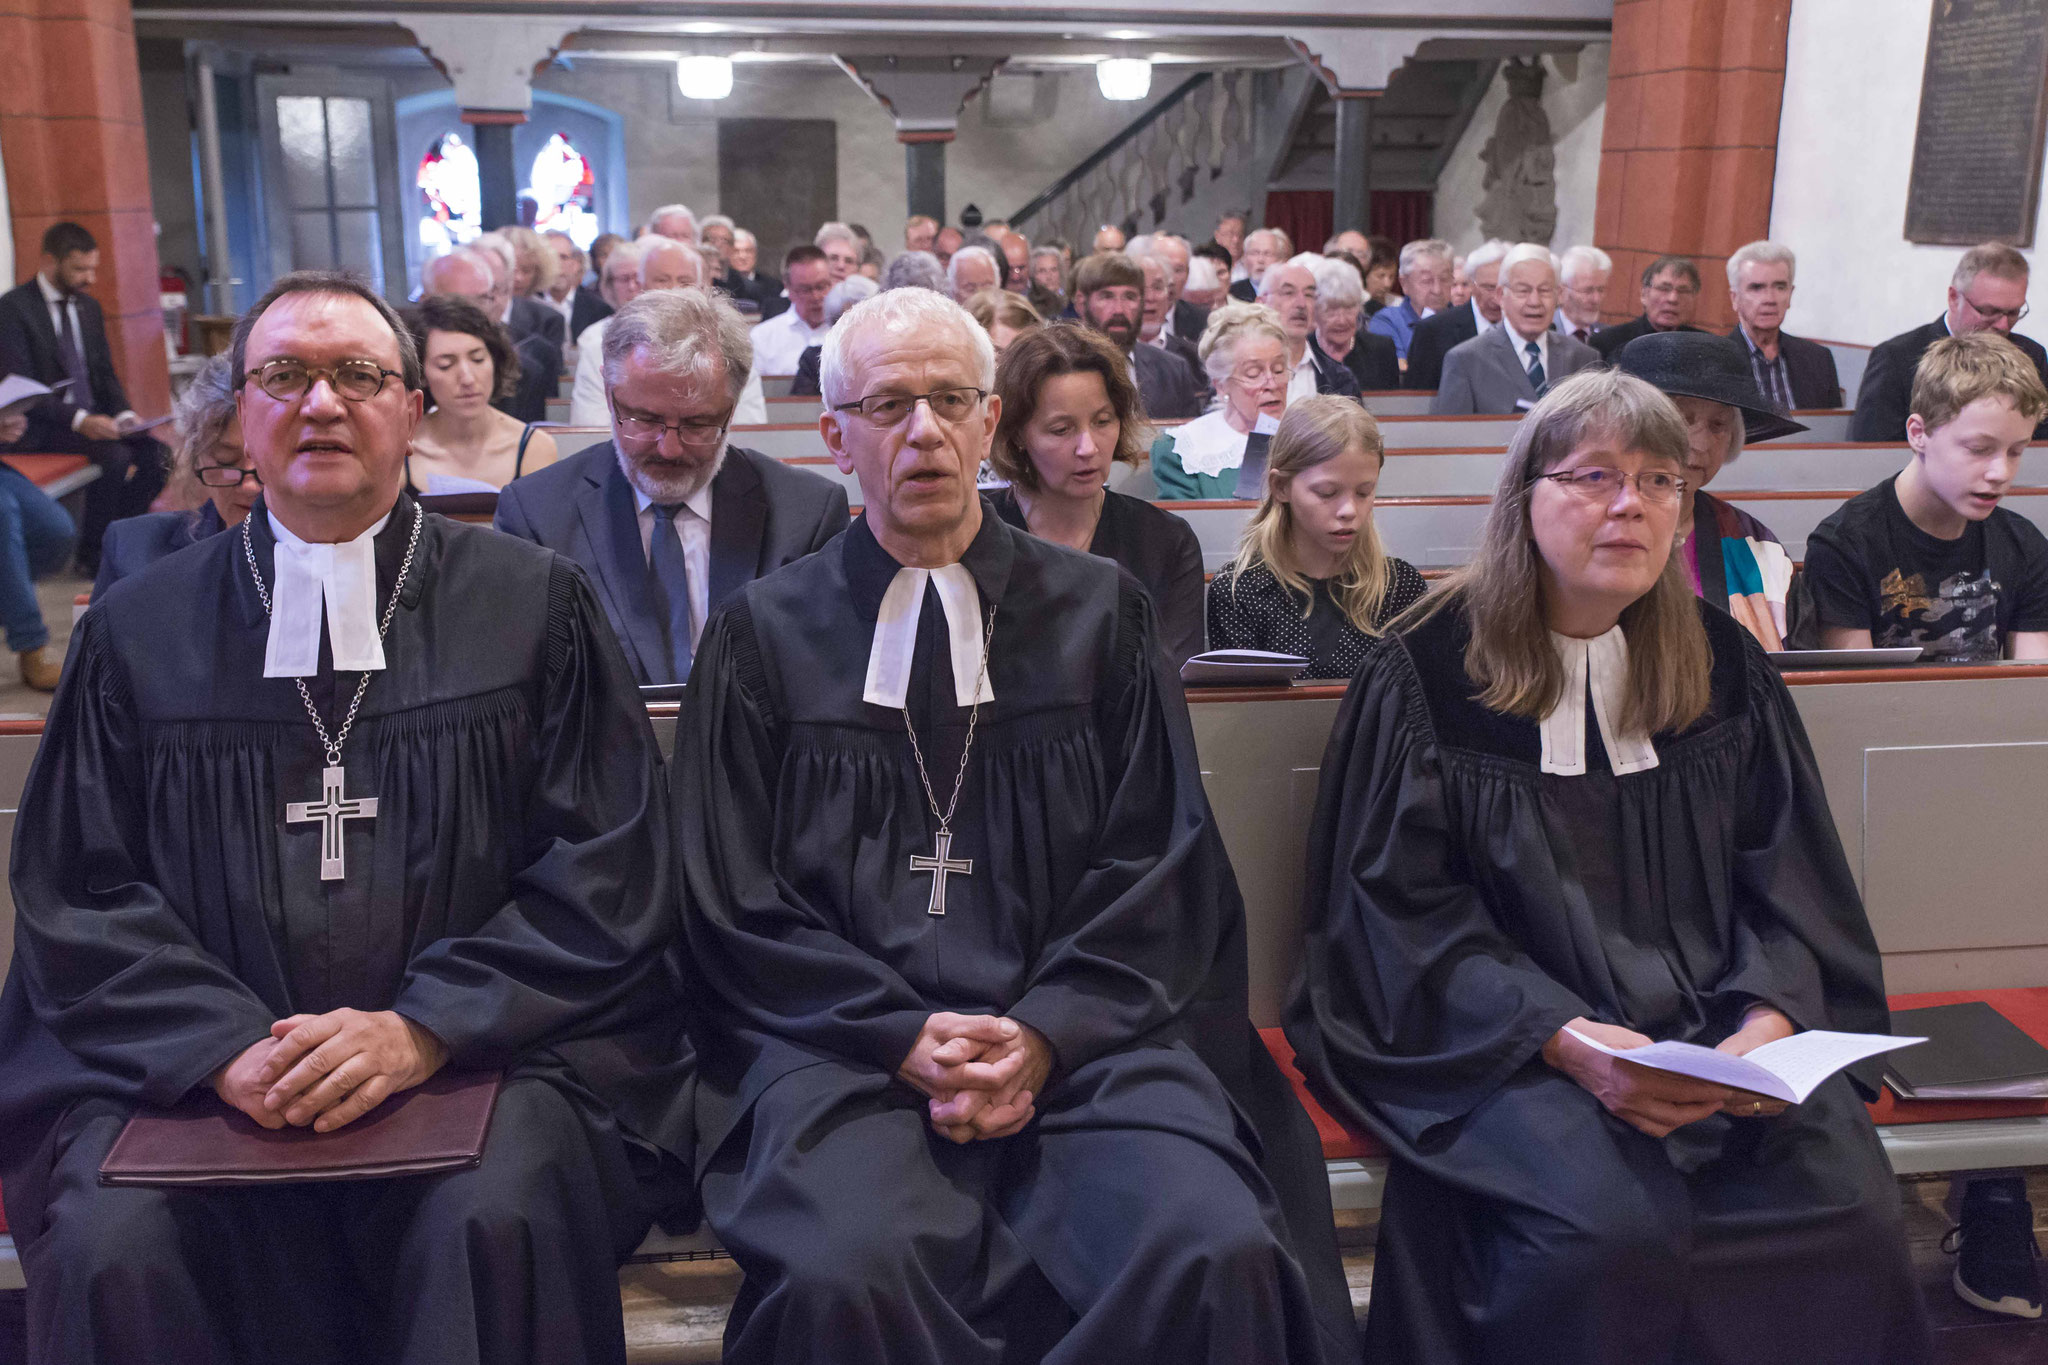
{"x":506,"y":907}
{"x":995,"y":1111}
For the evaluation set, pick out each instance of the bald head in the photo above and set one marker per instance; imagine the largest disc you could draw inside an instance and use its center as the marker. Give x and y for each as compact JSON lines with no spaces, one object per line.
{"x":459,"y":274}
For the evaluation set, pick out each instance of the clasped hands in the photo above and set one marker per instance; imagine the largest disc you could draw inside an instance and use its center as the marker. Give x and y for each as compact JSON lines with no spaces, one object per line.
{"x":328,"y":1070}
{"x":981,"y":1073}
{"x":1660,"y":1102}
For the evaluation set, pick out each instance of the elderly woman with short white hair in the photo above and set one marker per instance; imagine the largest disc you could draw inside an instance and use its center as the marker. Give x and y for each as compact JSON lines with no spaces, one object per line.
{"x":1339,"y":338}
{"x":1244,"y":352}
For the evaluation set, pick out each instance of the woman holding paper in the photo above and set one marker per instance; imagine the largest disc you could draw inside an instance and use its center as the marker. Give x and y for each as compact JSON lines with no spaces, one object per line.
{"x":1564,"y":798}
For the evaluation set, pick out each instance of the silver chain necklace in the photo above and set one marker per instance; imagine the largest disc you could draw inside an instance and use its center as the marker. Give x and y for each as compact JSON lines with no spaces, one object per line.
{"x":333,"y":808}
{"x":941,"y":864}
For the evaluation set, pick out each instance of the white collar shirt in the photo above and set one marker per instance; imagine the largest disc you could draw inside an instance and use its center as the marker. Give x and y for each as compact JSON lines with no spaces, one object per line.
{"x":895,"y":642}
{"x":1301,"y":383}
{"x":693,"y":528}
{"x":1520,"y":346}
{"x":780,"y":342}
{"x":338,"y":581}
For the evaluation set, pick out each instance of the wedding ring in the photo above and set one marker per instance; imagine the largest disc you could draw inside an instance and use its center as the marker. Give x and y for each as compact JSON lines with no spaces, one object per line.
{"x":1755,"y":1107}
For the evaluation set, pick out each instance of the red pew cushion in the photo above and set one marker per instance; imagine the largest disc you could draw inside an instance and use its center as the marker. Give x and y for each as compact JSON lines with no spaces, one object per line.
{"x":44,"y":470}
{"x":1340,"y":1141}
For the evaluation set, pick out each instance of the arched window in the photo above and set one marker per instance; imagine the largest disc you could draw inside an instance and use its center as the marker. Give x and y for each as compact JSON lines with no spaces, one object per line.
{"x":448,"y":179}
{"x":563,"y":192}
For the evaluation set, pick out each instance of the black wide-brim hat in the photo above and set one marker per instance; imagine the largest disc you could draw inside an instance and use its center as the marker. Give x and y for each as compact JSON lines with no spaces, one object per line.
{"x":1702,"y":365}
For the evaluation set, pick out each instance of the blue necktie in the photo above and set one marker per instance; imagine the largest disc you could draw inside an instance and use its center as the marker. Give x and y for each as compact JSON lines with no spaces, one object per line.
{"x":1537,"y":380}
{"x":670,"y":573}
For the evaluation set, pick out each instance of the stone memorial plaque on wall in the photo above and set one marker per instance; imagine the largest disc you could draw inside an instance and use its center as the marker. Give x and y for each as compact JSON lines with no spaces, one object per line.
{"x":1983,"y":107}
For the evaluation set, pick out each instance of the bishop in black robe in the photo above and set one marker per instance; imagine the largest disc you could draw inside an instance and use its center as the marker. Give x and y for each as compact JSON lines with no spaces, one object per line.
{"x":511,"y":895}
{"x":1462,"y":906}
{"x":1132,"y":1218}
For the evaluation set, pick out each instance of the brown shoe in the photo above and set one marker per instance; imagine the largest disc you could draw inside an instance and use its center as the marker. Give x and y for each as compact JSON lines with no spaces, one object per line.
{"x":40,"y":668}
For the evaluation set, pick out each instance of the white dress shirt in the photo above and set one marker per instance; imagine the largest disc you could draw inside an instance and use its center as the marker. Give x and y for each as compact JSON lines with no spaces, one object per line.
{"x":693,"y":528}
{"x":1302,"y":382}
{"x":781,"y":341}
{"x":587,"y":407}
{"x":1520,"y":344}
{"x":64,"y":308}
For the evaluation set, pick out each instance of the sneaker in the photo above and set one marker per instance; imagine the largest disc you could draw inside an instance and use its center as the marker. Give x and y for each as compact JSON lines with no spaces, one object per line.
{"x":40,"y":668}
{"x":1997,"y":1260}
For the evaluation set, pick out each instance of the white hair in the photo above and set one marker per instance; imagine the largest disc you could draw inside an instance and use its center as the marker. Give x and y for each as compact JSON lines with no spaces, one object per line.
{"x":1413,"y":252}
{"x":498,"y":245}
{"x":1761,"y":253}
{"x":835,"y":232}
{"x":1337,"y":283}
{"x":629,"y":252}
{"x":1271,"y":236}
{"x":717,"y":220}
{"x":1143,"y":247}
{"x":900,"y":314}
{"x":1307,"y":260}
{"x":847,"y":293}
{"x":914,"y":270}
{"x":1521,"y":253}
{"x":740,"y":234}
{"x":665,"y":211}
{"x":953,"y":266}
{"x":1202,"y":274}
{"x":1481,"y":256}
{"x":1592,"y":258}
{"x":650,"y":249}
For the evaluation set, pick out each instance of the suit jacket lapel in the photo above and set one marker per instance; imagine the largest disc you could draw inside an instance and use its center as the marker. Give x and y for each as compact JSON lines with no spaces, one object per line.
{"x":1504,"y":352}
{"x":739,"y":511}
{"x":612,"y":521}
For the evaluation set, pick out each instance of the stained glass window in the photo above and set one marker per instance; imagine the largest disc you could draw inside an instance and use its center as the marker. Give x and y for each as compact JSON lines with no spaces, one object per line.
{"x":448,"y":179}
{"x":563,"y":192}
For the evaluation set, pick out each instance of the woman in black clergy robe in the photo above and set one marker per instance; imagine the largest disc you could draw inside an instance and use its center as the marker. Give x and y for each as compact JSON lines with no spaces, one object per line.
{"x":1071,"y":413}
{"x":1561,"y":793}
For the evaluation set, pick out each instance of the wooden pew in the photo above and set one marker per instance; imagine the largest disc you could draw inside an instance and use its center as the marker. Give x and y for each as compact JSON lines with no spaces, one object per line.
{"x":1850,"y":359}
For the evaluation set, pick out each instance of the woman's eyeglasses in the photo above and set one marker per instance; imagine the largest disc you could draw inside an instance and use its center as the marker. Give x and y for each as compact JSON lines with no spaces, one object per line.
{"x":1598,"y":484}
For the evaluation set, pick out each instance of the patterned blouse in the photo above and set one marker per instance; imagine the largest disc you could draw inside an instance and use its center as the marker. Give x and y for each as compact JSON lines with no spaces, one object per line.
{"x":1251,"y":610}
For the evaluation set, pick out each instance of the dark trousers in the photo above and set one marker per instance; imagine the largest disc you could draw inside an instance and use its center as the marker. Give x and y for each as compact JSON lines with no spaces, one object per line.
{"x":133,"y":471}
{"x":513,"y":1261}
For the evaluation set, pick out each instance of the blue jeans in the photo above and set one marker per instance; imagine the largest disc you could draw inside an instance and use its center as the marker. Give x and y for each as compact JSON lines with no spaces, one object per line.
{"x":36,"y":536}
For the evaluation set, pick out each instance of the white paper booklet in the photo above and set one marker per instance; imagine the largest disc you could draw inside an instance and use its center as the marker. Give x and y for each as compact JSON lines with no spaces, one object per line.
{"x":1787,"y":1070}
{"x":19,"y":389}
{"x":1242,"y":668}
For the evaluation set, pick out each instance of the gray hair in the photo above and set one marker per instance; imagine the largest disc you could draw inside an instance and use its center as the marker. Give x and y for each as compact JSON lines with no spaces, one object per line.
{"x":1593,"y":258}
{"x":953,"y":266}
{"x":204,"y":410}
{"x":1521,"y":253}
{"x":684,"y":332}
{"x":650,"y":249}
{"x":1230,"y":324}
{"x":1761,"y":253}
{"x":901,"y":313}
{"x":1305,"y":260}
{"x":1480,"y":257}
{"x":914,"y":270}
{"x":665,"y":211}
{"x":1413,"y":252}
{"x":628,"y":252}
{"x":740,"y":234}
{"x":1992,"y":258}
{"x":717,"y":220}
{"x":499,"y":245}
{"x":847,"y":293}
{"x":835,"y":232}
{"x":1337,"y":284}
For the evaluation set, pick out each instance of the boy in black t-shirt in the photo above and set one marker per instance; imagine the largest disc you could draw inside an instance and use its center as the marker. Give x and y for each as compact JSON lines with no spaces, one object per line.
{"x":1928,"y":557}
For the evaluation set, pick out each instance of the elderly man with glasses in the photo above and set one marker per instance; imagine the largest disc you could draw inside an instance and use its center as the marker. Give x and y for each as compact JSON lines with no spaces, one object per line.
{"x":1507,"y":369}
{"x":1988,"y":293}
{"x":349,"y":811}
{"x":669,"y":519}
{"x":973,"y":948}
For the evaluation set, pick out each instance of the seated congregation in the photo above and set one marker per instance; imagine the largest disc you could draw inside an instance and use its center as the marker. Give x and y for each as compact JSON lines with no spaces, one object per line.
{"x":918,"y":971}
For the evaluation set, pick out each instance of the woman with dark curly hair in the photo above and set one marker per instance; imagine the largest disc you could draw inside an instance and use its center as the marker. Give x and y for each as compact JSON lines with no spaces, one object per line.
{"x":1071,"y":413}
{"x":464,"y":444}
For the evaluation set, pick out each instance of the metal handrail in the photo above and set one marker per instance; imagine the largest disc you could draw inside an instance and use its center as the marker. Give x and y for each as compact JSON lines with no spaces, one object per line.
{"x":1109,"y":148}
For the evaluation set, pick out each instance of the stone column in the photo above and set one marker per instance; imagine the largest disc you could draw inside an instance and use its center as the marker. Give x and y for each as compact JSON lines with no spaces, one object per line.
{"x":71,"y":137}
{"x":1353,"y":206}
{"x":924,"y":97}
{"x":497,"y":178}
{"x":1690,"y":146}
{"x":924,"y":167}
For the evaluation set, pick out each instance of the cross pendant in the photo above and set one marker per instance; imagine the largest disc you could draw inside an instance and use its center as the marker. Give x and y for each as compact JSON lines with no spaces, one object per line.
{"x":330,"y":810}
{"x":941,"y":865}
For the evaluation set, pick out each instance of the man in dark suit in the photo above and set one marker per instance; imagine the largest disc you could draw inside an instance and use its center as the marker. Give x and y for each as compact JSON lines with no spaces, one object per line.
{"x":1436,"y":334}
{"x":1671,"y":295}
{"x":468,"y":274}
{"x":1988,"y":292}
{"x":668,"y":519}
{"x":1793,"y":373}
{"x":567,"y":294}
{"x":1109,"y":295}
{"x":521,"y":316}
{"x":53,"y":332}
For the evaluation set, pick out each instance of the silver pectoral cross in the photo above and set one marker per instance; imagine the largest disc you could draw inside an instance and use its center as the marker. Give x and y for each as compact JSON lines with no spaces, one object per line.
{"x":941,"y":865}
{"x":330,"y":810}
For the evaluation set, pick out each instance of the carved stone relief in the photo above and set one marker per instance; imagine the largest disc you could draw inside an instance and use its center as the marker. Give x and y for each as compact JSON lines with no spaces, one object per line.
{"x":1521,"y":162}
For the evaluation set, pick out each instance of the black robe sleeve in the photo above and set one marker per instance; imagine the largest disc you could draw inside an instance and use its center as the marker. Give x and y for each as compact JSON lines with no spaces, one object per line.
{"x":588,"y":917}
{"x":777,"y":964}
{"x":115,"y":973}
{"x":1140,"y":936}
{"x":1409,"y":992}
{"x":1802,"y":943}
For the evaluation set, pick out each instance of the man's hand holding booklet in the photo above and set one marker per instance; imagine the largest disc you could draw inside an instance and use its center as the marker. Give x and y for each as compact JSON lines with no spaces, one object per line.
{"x":1788,"y":1070}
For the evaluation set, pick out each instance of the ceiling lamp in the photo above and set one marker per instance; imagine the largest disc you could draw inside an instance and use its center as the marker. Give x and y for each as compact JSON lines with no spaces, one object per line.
{"x":1124,"y":78}
{"x":704,"y":78}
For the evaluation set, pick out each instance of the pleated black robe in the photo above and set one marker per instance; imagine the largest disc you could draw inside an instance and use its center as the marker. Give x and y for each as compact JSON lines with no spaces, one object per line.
{"x":1461,"y":907}
{"x":512,"y":895}
{"x":1168,"y":1202}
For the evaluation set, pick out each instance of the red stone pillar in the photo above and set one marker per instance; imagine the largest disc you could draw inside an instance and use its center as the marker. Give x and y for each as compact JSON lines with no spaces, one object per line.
{"x":72,"y":139}
{"x":1690,"y":147}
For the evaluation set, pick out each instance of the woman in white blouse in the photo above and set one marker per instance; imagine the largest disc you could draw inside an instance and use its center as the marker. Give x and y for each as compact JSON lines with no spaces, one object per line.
{"x":1245,"y":352}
